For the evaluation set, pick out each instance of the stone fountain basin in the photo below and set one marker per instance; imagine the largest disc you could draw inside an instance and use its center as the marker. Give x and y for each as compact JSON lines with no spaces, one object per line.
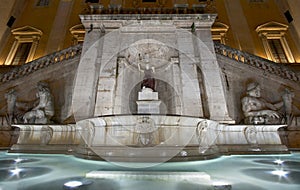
{"x":149,"y":138}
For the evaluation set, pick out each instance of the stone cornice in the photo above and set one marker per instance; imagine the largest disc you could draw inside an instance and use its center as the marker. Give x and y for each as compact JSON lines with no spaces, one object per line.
{"x":119,"y":20}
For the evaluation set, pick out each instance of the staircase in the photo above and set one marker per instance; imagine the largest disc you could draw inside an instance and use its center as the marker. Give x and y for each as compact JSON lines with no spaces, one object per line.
{"x":43,"y":62}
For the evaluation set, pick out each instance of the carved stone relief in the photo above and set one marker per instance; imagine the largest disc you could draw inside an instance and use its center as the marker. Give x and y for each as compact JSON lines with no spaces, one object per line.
{"x":259,"y":111}
{"x":39,"y":111}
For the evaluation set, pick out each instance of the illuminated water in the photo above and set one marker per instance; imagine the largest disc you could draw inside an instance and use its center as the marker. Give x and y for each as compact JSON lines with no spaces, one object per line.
{"x":36,"y":172}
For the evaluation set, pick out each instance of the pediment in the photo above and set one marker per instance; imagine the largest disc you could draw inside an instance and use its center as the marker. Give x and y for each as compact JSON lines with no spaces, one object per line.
{"x":272,"y":26}
{"x":79,"y":28}
{"x":218,"y":26}
{"x":26,"y":30}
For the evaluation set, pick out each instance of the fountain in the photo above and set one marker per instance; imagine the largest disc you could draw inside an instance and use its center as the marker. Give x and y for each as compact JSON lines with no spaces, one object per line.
{"x":148,"y":98}
{"x":153,"y":94}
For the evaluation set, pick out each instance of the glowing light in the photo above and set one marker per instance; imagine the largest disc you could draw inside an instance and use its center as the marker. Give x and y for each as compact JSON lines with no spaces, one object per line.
{"x":183,"y":153}
{"x":280,"y":173}
{"x":18,"y":160}
{"x":278,"y":161}
{"x":221,"y":185}
{"x":73,"y":184}
{"x":15,"y":171}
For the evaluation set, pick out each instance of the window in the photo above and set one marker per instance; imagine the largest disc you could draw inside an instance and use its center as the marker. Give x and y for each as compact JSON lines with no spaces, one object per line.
{"x":275,"y":44}
{"x":92,"y":1}
{"x":277,"y":51}
{"x":42,"y":3}
{"x":77,"y":32}
{"x":22,"y":53}
{"x":256,"y":1}
{"x":11,"y":21}
{"x":219,"y":31}
{"x":24,"y":46}
{"x":180,"y":2}
{"x":149,"y":1}
{"x":288,"y":16}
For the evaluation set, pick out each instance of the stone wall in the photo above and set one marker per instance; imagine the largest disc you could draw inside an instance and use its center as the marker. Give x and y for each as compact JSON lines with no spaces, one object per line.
{"x":59,"y":76}
{"x":237,"y":75}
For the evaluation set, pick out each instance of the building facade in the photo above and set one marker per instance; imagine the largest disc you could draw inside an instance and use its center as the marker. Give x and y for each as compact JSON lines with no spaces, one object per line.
{"x":35,"y":28}
{"x":262,"y":34}
{"x":187,"y":65}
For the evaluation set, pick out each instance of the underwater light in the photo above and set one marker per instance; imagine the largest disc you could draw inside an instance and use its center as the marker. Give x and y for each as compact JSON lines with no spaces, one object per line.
{"x":278,"y":161}
{"x":73,"y":184}
{"x":219,"y":185}
{"x":280,"y":173}
{"x":18,"y":160}
{"x":15,"y":171}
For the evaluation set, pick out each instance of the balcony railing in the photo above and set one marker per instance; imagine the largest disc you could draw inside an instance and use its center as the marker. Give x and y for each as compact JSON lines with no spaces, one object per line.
{"x":258,"y":62}
{"x":179,"y":7}
{"x":41,"y":63}
{"x":74,"y":51}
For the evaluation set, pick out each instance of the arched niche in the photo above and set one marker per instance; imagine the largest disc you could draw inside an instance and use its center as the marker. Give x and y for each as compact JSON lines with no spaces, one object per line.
{"x":131,"y":65}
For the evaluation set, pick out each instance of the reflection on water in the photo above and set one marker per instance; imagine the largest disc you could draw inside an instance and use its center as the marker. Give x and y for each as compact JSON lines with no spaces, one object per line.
{"x":278,"y":175}
{"x":18,"y":173}
{"x":9,"y":162}
{"x":262,"y":172}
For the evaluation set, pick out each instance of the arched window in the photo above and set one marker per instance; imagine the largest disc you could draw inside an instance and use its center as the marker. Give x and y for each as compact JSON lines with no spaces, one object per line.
{"x":273,"y":38}
{"x":24,"y":46}
{"x":42,"y":3}
{"x":78,"y":32}
{"x":218,"y":31}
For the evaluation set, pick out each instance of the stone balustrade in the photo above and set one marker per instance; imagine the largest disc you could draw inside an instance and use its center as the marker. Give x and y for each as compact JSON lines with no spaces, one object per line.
{"x":74,"y":51}
{"x":258,"y":62}
{"x":42,"y":62}
{"x":203,"y":6}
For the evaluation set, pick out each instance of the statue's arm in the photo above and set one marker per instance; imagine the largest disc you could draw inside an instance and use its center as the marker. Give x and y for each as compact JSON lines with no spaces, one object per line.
{"x":42,"y":103}
{"x":247,"y":108}
{"x":139,"y":67}
{"x":250,"y":110}
{"x":153,"y":69}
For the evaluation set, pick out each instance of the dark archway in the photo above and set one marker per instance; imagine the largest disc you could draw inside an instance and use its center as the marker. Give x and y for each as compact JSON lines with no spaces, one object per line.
{"x":166,"y":93}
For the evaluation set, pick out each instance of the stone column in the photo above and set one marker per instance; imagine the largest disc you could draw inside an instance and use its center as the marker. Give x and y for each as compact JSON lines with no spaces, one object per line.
{"x":212,"y":76}
{"x":59,"y":27}
{"x":12,"y":52}
{"x":33,"y":48}
{"x":86,"y":79}
{"x":190,"y":88}
{"x":177,"y":85}
{"x":239,"y":25}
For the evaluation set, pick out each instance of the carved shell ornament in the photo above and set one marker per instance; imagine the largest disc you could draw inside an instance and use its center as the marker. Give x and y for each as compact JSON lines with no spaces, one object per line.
{"x":148,"y":51}
{"x":145,"y":125}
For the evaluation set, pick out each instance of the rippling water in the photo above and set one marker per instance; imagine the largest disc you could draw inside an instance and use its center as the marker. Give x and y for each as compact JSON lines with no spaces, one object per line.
{"x":255,"y":172}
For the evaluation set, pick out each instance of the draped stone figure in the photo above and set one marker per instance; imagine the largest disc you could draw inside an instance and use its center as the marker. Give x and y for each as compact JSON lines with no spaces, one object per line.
{"x":11,"y":98}
{"x":148,"y":80}
{"x":258,"y":111}
{"x":44,"y":110}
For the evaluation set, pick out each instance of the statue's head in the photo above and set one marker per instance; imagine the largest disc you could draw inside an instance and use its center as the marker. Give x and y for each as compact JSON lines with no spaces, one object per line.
{"x":253,"y":89}
{"x":10,"y":93}
{"x":43,"y":86}
{"x":147,"y":66}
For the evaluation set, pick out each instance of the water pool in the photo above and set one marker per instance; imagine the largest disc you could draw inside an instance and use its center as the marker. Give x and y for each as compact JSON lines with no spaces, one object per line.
{"x":43,"y":171}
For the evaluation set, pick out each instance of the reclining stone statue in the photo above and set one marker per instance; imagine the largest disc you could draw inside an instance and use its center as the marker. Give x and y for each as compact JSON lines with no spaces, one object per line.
{"x":44,"y":110}
{"x":258,"y":111}
{"x":11,"y":98}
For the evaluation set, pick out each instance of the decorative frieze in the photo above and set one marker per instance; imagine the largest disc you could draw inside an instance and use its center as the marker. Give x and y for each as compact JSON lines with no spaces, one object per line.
{"x":258,"y":62}
{"x":43,"y":62}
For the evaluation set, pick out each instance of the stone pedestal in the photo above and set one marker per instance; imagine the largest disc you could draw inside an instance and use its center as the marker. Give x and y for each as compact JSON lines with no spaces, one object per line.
{"x":148,"y":102}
